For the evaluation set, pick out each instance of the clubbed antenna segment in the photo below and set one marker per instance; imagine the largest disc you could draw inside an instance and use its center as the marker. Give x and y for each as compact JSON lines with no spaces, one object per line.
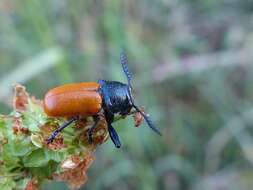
{"x":124,"y":63}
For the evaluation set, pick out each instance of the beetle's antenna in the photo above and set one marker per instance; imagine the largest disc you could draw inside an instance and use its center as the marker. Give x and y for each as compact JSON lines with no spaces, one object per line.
{"x":148,"y":120}
{"x":124,"y":63}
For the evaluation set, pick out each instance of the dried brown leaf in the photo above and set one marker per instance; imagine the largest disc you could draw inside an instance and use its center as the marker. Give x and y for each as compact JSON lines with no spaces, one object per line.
{"x":32,"y":185}
{"x":138,"y":118}
{"x":20,"y":100}
{"x":76,"y":176}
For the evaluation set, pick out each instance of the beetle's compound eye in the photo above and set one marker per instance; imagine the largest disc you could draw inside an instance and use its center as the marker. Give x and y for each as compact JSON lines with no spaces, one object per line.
{"x":101,"y":82}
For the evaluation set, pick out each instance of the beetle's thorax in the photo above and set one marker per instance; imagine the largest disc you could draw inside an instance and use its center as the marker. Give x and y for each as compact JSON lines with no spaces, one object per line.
{"x":116,"y":97}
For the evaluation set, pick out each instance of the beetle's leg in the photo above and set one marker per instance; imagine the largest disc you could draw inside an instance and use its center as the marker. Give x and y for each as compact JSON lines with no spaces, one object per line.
{"x":113,"y":134}
{"x":96,"y":120}
{"x":57,"y":131}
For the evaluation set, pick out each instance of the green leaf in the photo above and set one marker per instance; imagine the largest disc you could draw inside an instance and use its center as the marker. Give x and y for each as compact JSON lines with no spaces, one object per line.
{"x":30,"y":123}
{"x":56,"y":156}
{"x":34,"y":117}
{"x":9,"y":160}
{"x":44,"y":172}
{"x":21,"y":147}
{"x":36,"y":159}
{"x":7,"y":183}
{"x":37,"y":140}
{"x":5,"y":129}
{"x":21,"y":184}
{"x":38,"y":111}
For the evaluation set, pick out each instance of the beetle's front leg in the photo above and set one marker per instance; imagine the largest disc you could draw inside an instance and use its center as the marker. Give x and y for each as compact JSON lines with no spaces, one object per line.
{"x":63,"y":126}
{"x":113,"y":134}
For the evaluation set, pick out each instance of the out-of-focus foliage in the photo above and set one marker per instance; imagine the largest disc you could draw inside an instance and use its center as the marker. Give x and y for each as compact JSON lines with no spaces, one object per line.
{"x":192,"y":66}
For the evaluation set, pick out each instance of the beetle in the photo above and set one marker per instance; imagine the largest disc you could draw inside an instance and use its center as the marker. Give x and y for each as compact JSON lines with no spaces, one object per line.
{"x":90,"y":98}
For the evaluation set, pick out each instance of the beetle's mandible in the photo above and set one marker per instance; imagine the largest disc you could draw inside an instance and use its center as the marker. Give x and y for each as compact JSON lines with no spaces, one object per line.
{"x":89,"y":98}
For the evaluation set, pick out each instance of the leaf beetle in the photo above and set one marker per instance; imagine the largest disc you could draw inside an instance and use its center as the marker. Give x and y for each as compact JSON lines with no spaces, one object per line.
{"x":89,"y":98}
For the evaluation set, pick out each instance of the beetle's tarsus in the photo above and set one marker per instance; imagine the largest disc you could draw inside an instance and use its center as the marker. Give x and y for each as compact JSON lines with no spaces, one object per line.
{"x":50,"y":140}
{"x":53,"y":136}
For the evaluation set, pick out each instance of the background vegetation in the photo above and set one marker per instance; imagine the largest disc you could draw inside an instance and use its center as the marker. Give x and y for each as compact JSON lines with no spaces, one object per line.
{"x":192,"y":66}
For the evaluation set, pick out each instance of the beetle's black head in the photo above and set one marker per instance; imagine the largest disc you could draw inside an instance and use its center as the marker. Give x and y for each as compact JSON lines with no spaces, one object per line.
{"x":117,"y":96}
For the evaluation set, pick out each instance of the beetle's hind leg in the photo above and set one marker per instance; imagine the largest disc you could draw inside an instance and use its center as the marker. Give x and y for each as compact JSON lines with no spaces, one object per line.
{"x":90,"y":131}
{"x":57,"y":131}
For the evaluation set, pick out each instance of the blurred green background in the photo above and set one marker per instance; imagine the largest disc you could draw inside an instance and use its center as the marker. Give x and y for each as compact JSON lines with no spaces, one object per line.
{"x":192,"y":66}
